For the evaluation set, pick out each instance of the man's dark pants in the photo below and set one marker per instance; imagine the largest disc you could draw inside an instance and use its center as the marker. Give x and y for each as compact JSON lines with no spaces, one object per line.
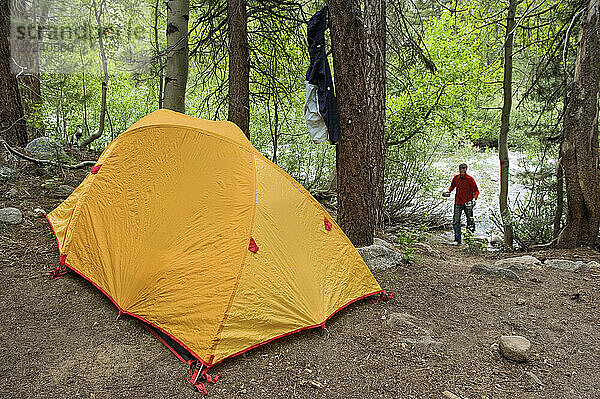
{"x":458,"y":209}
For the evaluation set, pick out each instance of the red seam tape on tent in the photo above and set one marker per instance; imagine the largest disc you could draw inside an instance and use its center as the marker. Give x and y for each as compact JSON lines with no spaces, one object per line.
{"x":95,"y":169}
{"x":252,"y":247}
{"x":327,"y":224}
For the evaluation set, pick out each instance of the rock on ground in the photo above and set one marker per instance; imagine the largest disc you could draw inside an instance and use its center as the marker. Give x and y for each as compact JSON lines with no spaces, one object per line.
{"x":65,"y":190}
{"x":406,"y":324}
{"x":502,"y":272}
{"x":567,"y":265}
{"x":450,"y":395}
{"x":6,"y":173}
{"x":593,"y":265}
{"x":519,"y":263}
{"x":422,"y":247}
{"x":383,"y":243}
{"x":11,"y":216}
{"x":410,"y":331}
{"x":515,"y":347}
{"x":378,"y":257}
{"x":47,"y":149}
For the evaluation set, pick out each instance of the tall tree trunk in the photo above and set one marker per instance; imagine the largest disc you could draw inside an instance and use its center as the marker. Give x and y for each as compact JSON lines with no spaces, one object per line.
{"x":159,"y":58}
{"x":355,"y":191}
{"x":12,"y":122}
{"x":579,"y":147}
{"x":505,"y":124}
{"x":84,"y":87}
{"x":177,"y":54}
{"x":100,"y":131}
{"x":375,"y":25}
{"x":25,"y":50}
{"x":239,"y":65}
{"x":559,"y":198}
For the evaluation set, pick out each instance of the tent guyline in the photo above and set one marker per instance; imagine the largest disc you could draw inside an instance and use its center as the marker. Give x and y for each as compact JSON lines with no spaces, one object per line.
{"x":215,"y":248}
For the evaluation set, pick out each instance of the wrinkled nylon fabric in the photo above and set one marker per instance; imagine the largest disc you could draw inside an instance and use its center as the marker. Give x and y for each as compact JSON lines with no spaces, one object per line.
{"x":163,"y":229}
{"x":302,"y":273}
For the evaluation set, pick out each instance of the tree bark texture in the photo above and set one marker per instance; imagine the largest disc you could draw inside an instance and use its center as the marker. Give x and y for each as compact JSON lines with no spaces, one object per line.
{"x":505,"y":124}
{"x":239,"y":65}
{"x":579,"y":147}
{"x":25,"y":50}
{"x":177,"y":55}
{"x":559,"y":198}
{"x":355,"y":190}
{"x":375,"y":25}
{"x":101,"y":122}
{"x":158,"y":57}
{"x":12,"y":122}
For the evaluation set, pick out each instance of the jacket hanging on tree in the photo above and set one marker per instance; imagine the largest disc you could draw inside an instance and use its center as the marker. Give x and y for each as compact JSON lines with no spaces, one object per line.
{"x":320,"y":108}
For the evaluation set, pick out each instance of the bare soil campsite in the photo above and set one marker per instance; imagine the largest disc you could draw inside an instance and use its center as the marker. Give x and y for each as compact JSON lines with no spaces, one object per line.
{"x":436,"y":338}
{"x":265,"y":199}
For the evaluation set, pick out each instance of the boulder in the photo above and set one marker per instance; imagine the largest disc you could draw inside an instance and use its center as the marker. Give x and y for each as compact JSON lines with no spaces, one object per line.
{"x":519,"y":263}
{"x":502,"y":272}
{"x":383,"y":243}
{"x":46,"y":149}
{"x":378,"y":257}
{"x":515,"y":347}
{"x":65,"y":190}
{"x":11,"y":216}
{"x":425,"y":248}
{"x":564,"y":264}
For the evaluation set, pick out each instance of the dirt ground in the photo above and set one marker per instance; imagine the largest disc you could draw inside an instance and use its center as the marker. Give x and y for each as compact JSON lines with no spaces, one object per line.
{"x":61,"y":339}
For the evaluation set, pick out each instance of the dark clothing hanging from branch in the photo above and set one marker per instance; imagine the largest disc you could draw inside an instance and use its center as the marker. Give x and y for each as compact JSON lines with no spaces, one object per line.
{"x":320,"y":110}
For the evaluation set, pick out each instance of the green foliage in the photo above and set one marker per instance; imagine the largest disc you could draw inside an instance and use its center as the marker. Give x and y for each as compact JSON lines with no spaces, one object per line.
{"x":533,"y":211}
{"x":51,"y":183}
{"x":473,"y":245}
{"x":408,"y":236}
{"x":446,"y":103}
{"x":431,"y":117}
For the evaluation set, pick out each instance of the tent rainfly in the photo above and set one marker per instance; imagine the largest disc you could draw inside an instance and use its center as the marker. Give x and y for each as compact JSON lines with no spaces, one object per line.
{"x":185,"y":226}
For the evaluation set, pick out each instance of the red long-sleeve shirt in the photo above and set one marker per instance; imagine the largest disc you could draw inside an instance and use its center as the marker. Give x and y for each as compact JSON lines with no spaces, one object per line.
{"x":466,"y":189}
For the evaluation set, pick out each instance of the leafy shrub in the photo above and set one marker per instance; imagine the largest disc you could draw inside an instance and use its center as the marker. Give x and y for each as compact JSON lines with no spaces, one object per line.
{"x":533,"y":212}
{"x":409,"y":235}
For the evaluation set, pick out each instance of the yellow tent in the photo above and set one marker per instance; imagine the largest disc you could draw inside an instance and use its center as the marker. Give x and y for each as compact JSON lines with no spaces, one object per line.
{"x":184,"y":225}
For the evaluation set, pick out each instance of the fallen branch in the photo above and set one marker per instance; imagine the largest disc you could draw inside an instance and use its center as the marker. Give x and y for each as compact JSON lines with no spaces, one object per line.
{"x":16,"y":153}
{"x":546,"y":245}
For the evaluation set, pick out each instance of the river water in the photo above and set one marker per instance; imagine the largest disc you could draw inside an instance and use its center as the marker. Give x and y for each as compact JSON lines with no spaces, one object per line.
{"x":485,"y":169}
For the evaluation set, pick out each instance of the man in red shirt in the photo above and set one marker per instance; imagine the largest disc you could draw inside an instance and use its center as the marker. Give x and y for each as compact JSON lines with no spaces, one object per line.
{"x":464,"y":200}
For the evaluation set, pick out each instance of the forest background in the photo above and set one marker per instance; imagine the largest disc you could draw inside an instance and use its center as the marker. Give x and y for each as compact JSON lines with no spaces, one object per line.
{"x":100,"y":66}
